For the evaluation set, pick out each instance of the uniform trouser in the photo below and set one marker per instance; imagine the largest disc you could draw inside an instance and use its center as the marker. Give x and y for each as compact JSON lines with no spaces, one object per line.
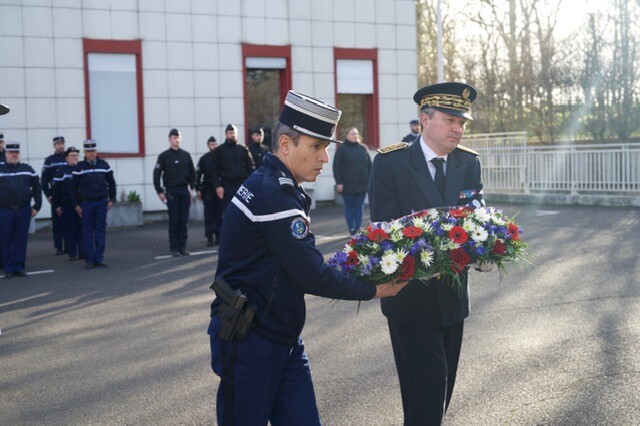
{"x":212,"y":213}
{"x":427,"y":361}
{"x":94,"y":229}
{"x":178,"y":203}
{"x":14,"y":231}
{"x":353,"y":210}
{"x":262,"y":381}
{"x":72,"y":230}
{"x":58,"y":230}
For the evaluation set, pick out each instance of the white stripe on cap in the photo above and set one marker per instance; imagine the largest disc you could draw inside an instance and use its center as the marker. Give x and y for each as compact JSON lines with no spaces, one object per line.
{"x":310,"y":133}
{"x":267,"y":217}
{"x":309,"y":113}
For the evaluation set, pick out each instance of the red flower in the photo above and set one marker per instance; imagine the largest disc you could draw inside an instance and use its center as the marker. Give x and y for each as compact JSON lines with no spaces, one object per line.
{"x":513,"y":230}
{"x":352,"y":258}
{"x":458,"y":235}
{"x":460,"y":259}
{"x":412,"y":232}
{"x":499,"y":248}
{"x":406,"y":268}
{"x":378,"y":235}
{"x":459,"y":213}
{"x":352,"y":242}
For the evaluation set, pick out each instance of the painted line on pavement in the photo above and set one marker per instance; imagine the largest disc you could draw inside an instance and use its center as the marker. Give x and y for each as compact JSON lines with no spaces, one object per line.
{"x":193,"y":253}
{"x":547,"y":212}
{"x":46,"y":271}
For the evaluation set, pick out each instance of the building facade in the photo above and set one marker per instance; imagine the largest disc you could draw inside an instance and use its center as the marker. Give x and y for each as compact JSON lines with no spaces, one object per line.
{"x":124,"y":72}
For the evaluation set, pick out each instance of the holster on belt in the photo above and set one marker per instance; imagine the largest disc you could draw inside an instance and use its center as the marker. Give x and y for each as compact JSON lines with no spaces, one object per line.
{"x":234,"y":313}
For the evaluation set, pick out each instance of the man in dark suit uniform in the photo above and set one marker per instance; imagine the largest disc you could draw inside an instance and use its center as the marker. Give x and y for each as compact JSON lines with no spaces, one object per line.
{"x":426,"y":319}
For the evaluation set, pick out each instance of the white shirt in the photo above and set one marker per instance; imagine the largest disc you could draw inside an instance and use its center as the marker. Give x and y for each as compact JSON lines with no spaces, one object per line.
{"x":430,"y":155}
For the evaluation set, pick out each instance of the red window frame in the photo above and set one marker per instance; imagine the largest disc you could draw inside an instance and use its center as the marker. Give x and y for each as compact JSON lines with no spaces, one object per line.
{"x":371,"y":101}
{"x":265,"y":51}
{"x":116,"y":46}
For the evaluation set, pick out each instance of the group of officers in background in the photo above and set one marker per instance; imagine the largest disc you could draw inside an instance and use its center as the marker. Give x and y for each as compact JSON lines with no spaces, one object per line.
{"x":219,"y":174}
{"x":79,"y":192}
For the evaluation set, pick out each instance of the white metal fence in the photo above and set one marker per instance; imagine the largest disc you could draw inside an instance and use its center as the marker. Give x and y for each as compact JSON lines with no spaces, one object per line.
{"x":608,"y":169}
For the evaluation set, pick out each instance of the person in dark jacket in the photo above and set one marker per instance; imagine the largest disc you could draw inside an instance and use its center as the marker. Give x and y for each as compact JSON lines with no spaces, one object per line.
{"x":19,"y":184}
{"x":257,"y":148}
{"x":415,"y":132}
{"x":351,"y":169}
{"x":2,"y":153}
{"x":268,"y":253}
{"x":205,"y":173}
{"x":61,"y":203}
{"x":175,"y":166}
{"x":51,"y":167}
{"x":233,"y":165}
{"x":426,"y":321}
{"x":93,"y":193}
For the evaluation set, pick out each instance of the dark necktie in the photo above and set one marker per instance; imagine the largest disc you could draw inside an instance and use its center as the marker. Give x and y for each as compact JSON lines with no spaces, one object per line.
{"x":439,"y":180}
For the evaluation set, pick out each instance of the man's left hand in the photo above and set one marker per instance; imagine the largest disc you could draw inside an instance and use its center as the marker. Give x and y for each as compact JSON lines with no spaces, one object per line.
{"x":109,"y":205}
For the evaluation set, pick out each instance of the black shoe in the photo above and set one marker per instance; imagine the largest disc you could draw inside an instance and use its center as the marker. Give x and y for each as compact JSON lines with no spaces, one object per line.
{"x":102,"y":264}
{"x":175,"y":253}
{"x":58,"y":252}
{"x":73,"y":258}
{"x":184,"y":252}
{"x":210,"y":242}
{"x":19,"y":274}
{"x":89,"y":266}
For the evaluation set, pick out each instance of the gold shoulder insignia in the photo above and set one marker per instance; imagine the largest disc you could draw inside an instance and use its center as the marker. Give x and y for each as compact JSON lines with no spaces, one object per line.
{"x":391,"y":148}
{"x":469,"y":150}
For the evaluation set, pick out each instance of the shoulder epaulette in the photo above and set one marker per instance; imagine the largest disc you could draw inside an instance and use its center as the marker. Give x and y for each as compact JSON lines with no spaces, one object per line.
{"x":391,"y":148}
{"x":469,"y":150}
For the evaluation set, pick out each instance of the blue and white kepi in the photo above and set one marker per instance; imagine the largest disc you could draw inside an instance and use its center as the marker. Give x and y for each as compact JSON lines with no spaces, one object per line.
{"x":310,"y":116}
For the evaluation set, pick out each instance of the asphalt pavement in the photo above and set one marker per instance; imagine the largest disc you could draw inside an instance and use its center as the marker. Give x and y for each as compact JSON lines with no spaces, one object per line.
{"x":558,"y":343}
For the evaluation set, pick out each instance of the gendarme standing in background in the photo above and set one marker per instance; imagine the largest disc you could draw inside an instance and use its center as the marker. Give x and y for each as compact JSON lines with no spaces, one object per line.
{"x":257,"y":148}
{"x":19,"y":183}
{"x":93,"y":192}
{"x":233,"y":165}
{"x":205,"y":173}
{"x":178,"y":174}
{"x":51,"y":167}
{"x":426,"y":319}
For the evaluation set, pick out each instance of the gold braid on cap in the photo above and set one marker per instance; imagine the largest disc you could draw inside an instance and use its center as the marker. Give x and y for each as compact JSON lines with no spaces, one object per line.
{"x":446,"y":101}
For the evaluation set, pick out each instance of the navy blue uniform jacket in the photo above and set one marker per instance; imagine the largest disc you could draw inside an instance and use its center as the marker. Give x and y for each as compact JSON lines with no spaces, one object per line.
{"x":50,"y":168}
{"x":269,"y":253}
{"x":401,"y":184}
{"x":18,"y":184}
{"x":92,"y":182}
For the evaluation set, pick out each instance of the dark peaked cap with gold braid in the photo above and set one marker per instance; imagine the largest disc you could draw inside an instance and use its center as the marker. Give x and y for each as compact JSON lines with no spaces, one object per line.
{"x":452,"y":98}
{"x":310,"y":116}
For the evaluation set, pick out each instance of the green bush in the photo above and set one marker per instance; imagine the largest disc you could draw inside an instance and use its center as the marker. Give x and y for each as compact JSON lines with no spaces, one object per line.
{"x":133,"y":197}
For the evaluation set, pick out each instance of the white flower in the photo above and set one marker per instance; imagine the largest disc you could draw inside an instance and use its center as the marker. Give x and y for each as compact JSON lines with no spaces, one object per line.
{"x":426,"y":257}
{"x":418,"y":222}
{"x":479,"y":234}
{"x":400,"y":255}
{"x":446,"y":227}
{"x":468,"y":225}
{"x":373,"y":246}
{"x":363,"y":259}
{"x":433,"y":214}
{"x":396,"y":226}
{"x":347,"y":248}
{"x":481,"y":214}
{"x":388,"y":263}
{"x":497,"y":220}
{"x":449,"y":245}
{"x":396,"y":236}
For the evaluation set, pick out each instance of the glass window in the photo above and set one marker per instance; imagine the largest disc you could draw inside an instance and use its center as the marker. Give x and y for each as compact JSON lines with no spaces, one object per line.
{"x":113,"y":96}
{"x":114,"y":103}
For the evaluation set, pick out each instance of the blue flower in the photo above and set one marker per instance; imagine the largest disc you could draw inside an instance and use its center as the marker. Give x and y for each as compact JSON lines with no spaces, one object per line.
{"x":480,"y":250}
{"x":386,"y":245}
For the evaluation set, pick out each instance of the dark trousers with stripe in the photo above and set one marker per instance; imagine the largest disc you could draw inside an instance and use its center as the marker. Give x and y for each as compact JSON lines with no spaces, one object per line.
{"x":94,"y":229}
{"x":58,"y":230}
{"x":178,"y":204}
{"x":427,"y":361}
{"x":212,"y":213}
{"x":72,"y":231}
{"x":14,"y":232}
{"x":262,"y":381}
